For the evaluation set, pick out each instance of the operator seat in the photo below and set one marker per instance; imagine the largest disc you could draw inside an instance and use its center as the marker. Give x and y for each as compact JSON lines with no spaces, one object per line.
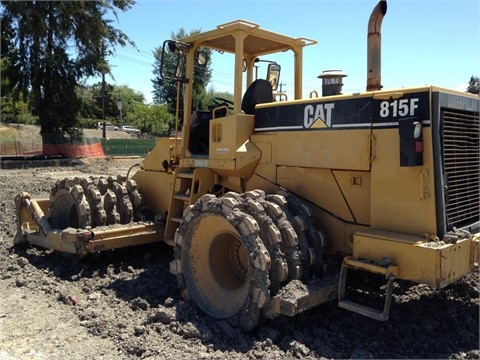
{"x":259,"y":92}
{"x":199,"y":132}
{"x":200,"y":129}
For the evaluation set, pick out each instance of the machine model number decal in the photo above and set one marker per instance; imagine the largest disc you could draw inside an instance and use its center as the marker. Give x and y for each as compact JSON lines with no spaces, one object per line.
{"x":399,"y":107}
{"x":365,"y":111}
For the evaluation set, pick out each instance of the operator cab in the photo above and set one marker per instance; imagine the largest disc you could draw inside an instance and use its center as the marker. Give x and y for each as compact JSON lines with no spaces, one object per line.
{"x":182,"y":60}
{"x":259,"y":92}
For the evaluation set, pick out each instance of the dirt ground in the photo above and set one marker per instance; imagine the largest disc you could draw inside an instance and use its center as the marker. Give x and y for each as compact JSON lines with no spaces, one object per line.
{"x":125,"y":304}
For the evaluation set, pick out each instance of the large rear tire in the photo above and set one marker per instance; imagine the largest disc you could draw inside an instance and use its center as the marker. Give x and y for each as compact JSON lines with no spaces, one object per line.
{"x":234,"y":253}
{"x":220,"y":261}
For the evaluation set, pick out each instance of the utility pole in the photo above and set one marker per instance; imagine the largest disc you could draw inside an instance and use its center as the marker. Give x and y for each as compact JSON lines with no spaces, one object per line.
{"x":281,"y":92}
{"x":104,"y":130}
{"x":120,"y":106}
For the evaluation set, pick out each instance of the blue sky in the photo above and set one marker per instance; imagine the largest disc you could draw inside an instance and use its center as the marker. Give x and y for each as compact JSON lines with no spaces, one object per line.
{"x":423,"y":42}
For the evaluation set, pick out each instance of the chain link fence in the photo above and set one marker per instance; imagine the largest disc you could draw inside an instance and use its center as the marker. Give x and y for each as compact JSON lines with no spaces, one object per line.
{"x":15,"y":147}
{"x":111,"y":147}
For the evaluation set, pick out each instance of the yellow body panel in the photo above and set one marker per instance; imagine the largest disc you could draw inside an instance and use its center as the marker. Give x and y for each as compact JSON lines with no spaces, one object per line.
{"x":227,"y":134}
{"x":156,"y":187}
{"x":267,"y":165}
{"x":355,"y":188}
{"x":338,"y":232}
{"x":396,"y":191}
{"x":247,"y":156}
{"x":165,"y":150}
{"x":316,"y":185}
{"x":433,"y":263}
{"x":347,"y":149}
{"x":231,"y":153}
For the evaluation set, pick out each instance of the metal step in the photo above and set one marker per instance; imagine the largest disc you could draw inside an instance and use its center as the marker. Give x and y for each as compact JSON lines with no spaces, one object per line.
{"x":182,"y":197}
{"x":296,"y":297}
{"x":390,"y":272}
{"x":186,"y":174}
{"x":189,"y":185}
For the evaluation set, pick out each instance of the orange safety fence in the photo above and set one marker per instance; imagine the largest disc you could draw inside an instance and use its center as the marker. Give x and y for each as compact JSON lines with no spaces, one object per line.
{"x":74,"y":150}
{"x":89,"y":147}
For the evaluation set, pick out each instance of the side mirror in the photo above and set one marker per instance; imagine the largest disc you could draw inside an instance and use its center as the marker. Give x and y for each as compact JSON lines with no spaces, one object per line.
{"x":202,"y":58}
{"x":273,"y":75}
{"x":172,"y":63}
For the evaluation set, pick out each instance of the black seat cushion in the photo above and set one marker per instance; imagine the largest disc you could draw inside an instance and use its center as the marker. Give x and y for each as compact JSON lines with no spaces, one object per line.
{"x":259,"y":92}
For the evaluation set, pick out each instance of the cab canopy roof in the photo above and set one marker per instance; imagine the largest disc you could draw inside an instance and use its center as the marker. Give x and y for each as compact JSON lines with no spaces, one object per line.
{"x":247,"y":41}
{"x":257,"y":41}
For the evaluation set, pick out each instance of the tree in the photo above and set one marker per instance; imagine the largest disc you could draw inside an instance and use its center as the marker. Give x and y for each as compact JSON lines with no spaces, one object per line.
{"x":50,"y":45}
{"x":91,"y":100}
{"x":474,"y":85}
{"x":165,"y":91}
{"x":129,"y":99}
{"x":10,"y":90}
{"x":151,"y":118}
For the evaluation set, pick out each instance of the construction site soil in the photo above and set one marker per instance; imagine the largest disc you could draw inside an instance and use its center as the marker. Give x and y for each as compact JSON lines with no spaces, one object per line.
{"x":124,"y":304}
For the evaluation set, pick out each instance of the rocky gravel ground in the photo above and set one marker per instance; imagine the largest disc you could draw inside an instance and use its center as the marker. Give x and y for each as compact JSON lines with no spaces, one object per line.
{"x":124,"y":304}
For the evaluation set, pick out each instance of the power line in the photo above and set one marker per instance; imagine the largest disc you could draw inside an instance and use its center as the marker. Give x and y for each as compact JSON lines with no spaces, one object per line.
{"x":132,"y":60}
{"x":140,"y":53}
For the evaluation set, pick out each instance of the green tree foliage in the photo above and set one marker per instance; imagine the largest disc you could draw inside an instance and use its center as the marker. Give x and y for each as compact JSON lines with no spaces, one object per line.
{"x":155,"y":119}
{"x":91,"y":101}
{"x":204,"y":98}
{"x":474,"y":85}
{"x":128,"y":97}
{"x":9,"y":107}
{"x":165,"y":91}
{"x":10,"y":79}
{"x":48,"y":46}
{"x":148,"y":118}
{"x":13,"y":108}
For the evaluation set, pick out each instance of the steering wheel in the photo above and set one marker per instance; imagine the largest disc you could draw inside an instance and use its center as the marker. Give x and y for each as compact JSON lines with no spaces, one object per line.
{"x":223,"y":102}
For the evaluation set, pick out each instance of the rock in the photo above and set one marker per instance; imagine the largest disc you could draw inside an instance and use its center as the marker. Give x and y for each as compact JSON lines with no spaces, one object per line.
{"x":164,"y":315}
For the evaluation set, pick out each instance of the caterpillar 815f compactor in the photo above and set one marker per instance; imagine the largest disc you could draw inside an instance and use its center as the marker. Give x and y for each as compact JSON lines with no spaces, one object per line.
{"x":269,"y":202}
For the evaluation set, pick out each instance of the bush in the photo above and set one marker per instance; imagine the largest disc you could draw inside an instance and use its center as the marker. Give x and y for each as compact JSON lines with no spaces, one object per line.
{"x":89,"y":123}
{"x":25,"y":119}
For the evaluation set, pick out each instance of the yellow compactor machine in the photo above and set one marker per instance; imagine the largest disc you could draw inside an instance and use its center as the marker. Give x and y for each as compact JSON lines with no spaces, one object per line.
{"x":269,"y":202}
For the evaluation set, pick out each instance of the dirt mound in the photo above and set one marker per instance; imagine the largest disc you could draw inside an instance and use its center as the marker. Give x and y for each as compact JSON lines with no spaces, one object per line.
{"x":125,"y":304}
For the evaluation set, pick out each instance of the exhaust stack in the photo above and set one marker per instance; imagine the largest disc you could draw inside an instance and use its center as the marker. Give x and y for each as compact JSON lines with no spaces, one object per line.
{"x":332,"y":82}
{"x":374,"y":43}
